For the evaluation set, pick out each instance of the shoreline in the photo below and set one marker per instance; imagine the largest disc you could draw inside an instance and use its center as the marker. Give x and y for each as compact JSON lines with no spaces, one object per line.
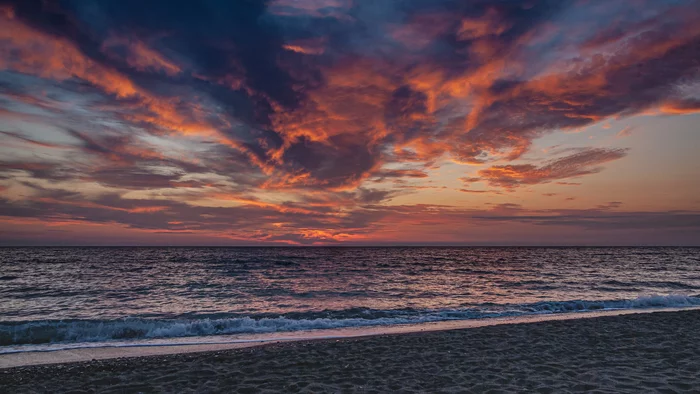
{"x":187,"y":345}
{"x":638,"y":352}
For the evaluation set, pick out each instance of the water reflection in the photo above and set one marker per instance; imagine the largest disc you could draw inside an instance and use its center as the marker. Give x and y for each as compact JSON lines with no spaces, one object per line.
{"x":109,"y":283}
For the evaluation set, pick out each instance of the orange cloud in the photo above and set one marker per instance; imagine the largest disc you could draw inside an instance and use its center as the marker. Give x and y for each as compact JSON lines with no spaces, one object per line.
{"x":626,"y":132}
{"x":321,"y":100}
{"x":578,"y":164}
{"x":140,"y":56}
{"x":311,"y":46}
{"x":681,"y":107}
{"x":30,"y":51}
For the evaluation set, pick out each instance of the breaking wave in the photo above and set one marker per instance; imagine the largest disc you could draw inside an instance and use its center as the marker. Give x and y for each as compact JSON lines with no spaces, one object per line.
{"x":86,"y":331}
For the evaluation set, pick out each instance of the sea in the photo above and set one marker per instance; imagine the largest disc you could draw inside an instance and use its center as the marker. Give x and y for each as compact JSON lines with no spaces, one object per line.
{"x":54,"y":298}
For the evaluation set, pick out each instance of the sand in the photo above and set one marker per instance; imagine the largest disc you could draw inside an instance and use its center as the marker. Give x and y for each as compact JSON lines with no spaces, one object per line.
{"x":159,"y":347}
{"x":655,"y":352}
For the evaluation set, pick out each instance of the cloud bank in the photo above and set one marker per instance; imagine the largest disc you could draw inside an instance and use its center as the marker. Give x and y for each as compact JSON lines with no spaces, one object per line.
{"x":303,"y":121}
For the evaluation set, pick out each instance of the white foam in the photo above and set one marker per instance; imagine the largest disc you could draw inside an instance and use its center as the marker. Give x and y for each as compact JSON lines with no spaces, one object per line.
{"x":48,"y":335}
{"x":62,"y":353}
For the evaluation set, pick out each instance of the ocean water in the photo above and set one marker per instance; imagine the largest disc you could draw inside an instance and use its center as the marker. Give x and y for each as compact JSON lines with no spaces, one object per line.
{"x":83,"y":296}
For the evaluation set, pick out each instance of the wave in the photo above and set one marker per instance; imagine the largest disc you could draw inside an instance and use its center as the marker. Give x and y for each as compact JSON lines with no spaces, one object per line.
{"x":87,"y":331}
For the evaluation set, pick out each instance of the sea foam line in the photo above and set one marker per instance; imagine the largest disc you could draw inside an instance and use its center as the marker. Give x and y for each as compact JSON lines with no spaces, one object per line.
{"x":96,"y":351}
{"x":15,"y":335}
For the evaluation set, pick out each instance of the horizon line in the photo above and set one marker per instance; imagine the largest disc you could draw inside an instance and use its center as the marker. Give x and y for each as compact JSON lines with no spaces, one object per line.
{"x":358,"y":246}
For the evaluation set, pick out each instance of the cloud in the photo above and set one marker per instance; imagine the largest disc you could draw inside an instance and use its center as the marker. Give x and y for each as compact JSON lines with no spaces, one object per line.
{"x":401,"y":173}
{"x":626,"y":132}
{"x":568,"y":183}
{"x":480,"y":191}
{"x":681,"y":106}
{"x":585,"y":162}
{"x":307,"y":109}
{"x":140,"y":56}
{"x":275,"y":104}
{"x":30,"y":141}
{"x":610,"y":205}
{"x":289,"y":223}
{"x":598,"y":220}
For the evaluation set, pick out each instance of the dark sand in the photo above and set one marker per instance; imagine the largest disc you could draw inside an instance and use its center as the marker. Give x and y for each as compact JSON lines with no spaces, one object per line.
{"x":654,"y":352}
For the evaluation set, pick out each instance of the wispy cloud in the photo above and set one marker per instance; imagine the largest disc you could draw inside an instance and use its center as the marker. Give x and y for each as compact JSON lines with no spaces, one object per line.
{"x":586,"y":162}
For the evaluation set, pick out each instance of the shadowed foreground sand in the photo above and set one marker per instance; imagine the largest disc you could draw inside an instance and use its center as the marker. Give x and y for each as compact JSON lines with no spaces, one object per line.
{"x":655,"y":352}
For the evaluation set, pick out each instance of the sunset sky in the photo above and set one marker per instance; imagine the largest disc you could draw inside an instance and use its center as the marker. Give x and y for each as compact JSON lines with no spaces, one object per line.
{"x":358,"y":122}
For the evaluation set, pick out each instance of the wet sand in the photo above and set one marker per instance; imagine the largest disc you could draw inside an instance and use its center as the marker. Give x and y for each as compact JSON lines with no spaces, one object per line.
{"x":651,"y":352}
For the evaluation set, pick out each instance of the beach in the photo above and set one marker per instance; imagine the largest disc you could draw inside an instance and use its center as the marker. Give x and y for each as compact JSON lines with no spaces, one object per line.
{"x":646,"y":352}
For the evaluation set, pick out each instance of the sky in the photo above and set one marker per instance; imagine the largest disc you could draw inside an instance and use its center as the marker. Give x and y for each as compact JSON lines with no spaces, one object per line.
{"x":350,"y":122}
